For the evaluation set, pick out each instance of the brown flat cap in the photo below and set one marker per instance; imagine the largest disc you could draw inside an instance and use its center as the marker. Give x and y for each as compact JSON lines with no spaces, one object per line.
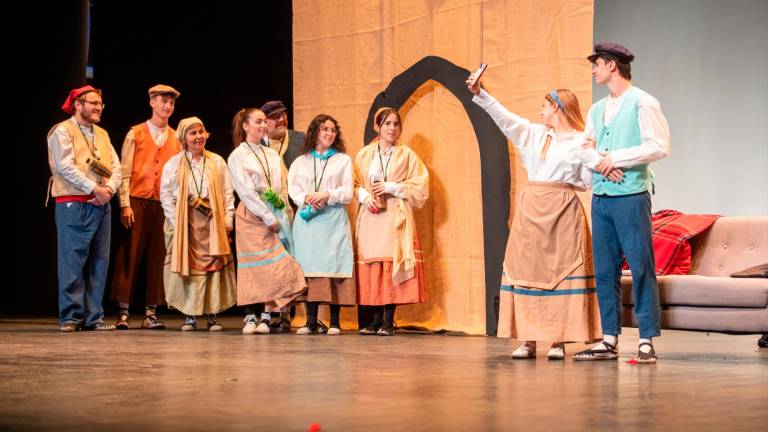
{"x":163,"y":89}
{"x":615,"y":49}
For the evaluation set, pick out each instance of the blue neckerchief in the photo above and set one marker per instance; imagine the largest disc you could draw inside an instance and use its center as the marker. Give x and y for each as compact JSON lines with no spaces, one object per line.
{"x":330,"y":152}
{"x":264,"y":141}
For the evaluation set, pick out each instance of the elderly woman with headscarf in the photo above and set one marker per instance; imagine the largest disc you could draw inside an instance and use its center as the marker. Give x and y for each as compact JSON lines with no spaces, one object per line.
{"x":199,"y":206}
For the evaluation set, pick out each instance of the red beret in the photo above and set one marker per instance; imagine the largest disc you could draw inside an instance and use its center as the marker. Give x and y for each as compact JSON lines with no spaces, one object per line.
{"x":69,"y":104}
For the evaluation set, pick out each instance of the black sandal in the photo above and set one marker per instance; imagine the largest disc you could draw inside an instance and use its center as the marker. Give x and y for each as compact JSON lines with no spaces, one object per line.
{"x":646,"y":357}
{"x":606,"y":352}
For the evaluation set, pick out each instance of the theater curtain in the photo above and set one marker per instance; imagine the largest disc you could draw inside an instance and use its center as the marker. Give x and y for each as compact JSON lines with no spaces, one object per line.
{"x":346,"y":52}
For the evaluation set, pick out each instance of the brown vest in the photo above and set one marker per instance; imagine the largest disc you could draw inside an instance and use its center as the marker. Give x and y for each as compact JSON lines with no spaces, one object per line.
{"x":148,"y":161}
{"x":82,"y":150}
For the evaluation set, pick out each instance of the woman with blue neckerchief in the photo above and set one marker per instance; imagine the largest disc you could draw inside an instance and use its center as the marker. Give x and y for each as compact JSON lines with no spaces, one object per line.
{"x":321,"y":184}
{"x":548,"y":280}
{"x":266,"y":270}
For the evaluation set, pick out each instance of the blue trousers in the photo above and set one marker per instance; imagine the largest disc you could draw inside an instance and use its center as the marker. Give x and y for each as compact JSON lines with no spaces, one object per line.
{"x":83,"y":234}
{"x":621,"y":226}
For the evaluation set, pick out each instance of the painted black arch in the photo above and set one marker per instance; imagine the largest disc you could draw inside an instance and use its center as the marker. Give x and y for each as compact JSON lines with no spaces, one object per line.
{"x":494,"y":161}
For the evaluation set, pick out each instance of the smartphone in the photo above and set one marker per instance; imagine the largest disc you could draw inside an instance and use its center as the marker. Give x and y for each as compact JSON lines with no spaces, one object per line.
{"x":475,"y":77}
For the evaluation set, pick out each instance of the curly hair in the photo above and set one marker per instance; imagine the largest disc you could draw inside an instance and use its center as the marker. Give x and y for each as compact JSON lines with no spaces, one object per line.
{"x":313,"y":130}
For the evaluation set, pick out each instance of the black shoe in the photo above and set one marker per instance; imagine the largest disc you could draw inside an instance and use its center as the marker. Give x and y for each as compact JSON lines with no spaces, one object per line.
{"x":386,"y":331}
{"x":763,"y":341}
{"x":279,"y":325}
{"x":368,"y":331}
{"x":646,"y":357}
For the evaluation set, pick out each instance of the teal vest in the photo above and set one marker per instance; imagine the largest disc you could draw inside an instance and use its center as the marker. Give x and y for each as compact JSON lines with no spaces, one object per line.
{"x":623,"y":132}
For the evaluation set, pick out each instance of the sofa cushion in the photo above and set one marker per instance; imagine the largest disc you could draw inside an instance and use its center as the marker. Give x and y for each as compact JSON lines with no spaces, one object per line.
{"x":730,"y":245}
{"x":692,"y":290}
{"x":744,"y":320}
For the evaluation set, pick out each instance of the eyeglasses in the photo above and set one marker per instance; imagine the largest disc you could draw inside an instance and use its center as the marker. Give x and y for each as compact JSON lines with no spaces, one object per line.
{"x":101,"y":105}
{"x":277,"y":116}
{"x":332,"y":131}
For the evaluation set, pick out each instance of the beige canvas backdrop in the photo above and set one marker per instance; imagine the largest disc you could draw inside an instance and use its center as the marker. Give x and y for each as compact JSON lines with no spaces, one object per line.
{"x":346,"y":52}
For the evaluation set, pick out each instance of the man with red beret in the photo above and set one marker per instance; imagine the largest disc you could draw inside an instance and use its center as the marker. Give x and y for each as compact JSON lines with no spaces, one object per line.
{"x":85,"y":173}
{"x":625,"y":130}
{"x":146,"y":149}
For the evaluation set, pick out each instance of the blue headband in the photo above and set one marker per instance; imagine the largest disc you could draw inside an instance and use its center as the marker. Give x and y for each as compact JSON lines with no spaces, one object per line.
{"x":553,"y":95}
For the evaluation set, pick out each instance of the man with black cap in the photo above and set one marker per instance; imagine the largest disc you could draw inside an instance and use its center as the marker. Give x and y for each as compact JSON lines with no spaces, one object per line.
{"x":625,"y":130}
{"x":287,"y":142}
{"x":85,"y":173}
{"x":146,"y":149}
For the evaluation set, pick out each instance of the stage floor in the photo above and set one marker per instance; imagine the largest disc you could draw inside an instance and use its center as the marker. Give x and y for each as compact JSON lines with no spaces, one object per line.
{"x":201,"y":381}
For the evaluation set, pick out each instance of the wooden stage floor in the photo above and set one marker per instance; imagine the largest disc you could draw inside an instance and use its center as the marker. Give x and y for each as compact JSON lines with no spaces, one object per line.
{"x":143,"y":380}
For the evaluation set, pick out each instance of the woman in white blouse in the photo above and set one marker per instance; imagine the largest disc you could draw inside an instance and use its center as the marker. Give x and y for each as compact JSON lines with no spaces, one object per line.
{"x":391,"y":182}
{"x":320,"y":183}
{"x":548,"y":284}
{"x":199,"y":206}
{"x":266,"y":270}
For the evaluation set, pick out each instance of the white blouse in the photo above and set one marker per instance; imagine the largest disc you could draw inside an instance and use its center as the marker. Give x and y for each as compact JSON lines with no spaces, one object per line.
{"x":169,"y":185}
{"x":245,"y":167}
{"x":306,"y":171}
{"x":564,"y":158}
{"x":376,"y":172}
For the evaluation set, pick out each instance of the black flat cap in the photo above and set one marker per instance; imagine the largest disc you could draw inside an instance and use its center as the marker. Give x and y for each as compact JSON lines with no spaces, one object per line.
{"x":273,"y":107}
{"x":615,"y":49}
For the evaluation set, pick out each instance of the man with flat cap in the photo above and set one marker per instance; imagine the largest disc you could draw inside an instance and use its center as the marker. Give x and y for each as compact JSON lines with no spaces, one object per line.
{"x":146,"y":149}
{"x":287,"y":142}
{"x":626,"y":130}
{"x":85,"y":173}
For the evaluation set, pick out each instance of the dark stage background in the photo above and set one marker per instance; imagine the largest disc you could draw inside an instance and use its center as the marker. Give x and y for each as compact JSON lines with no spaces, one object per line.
{"x":221,"y":56}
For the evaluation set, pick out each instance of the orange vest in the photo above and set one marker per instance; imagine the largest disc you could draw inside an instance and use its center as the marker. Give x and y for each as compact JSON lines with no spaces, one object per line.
{"x":148,"y":161}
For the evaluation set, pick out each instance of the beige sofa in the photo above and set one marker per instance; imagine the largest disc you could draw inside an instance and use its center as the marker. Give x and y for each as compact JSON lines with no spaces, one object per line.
{"x":708,"y":298}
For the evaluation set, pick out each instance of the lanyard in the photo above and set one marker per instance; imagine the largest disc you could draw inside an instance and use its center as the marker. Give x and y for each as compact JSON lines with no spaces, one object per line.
{"x":88,"y":143}
{"x":194,"y":179}
{"x":266,"y":161}
{"x":384,"y":168}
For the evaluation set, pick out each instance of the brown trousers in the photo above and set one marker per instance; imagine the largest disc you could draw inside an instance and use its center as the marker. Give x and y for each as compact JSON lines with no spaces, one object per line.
{"x":144,"y":240}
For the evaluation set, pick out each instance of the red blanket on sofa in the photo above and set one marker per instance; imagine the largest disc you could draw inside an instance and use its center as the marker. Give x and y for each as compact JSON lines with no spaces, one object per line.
{"x":671,"y":232}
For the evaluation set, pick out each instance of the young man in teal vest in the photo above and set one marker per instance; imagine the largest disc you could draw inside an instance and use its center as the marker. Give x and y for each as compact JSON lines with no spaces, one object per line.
{"x":625,"y":130}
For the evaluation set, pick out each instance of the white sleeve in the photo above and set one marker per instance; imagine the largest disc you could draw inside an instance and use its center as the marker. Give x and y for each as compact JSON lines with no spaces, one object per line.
{"x":514,"y":127}
{"x":245,"y":186}
{"x":654,"y":131}
{"x":394,"y":188}
{"x":229,"y":196}
{"x":126,"y":168}
{"x":114,"y":181}
{"x":295,"y":189}
{"x":343,"y":193}
{"x":362,"y":195}
{"x":63,"y":155}
{"x":169,"y":190}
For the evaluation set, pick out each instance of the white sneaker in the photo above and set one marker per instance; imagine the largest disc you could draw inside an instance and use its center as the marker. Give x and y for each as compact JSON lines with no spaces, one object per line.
{"x":250,"y":324}
{"x":556,"y":352}
{"x":333,"y":331}
{"x":524,"y":351}
{"x":263,"y":327}
{"x":305,"y":331}
{"x":189,"y":324}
